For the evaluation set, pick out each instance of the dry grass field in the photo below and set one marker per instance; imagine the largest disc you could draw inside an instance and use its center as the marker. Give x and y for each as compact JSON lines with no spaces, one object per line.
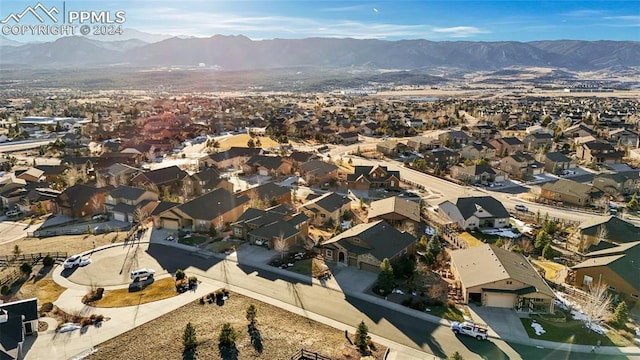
{"x":282,"y":334}
{"x":72,"y":244}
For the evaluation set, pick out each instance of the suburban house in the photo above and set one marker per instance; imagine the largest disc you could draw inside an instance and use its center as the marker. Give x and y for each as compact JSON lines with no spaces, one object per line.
{"x":556,"y":162}
{"x":622,"y":137}
{"x":478,"y":150}
{"x":422,"y":143}
{"x":394,"y":210}
{"x":370,"y":177}
{"x":364,"y":246}
{"x":441,"y":158}
{"x":82,"y":200}
{"x":17,"y":320}
{"x":268,"y":194}
{"x":41,"y":199}
{"x":327,"y":208}
{"x":521,"y":166}
{"x":569,"y":192}
{"x":477,"y":174}
{"x":12,"y":191}
{"x":601,"y":233}
{"x":119,"y":173}
{"x":317,"y":172}
{"x":171,"y":178}
{"x":496,"y":277}
{"x":392,"y":148}
{"x":618,"y":184}
{"x":345,"y":138}
{"x":599,"y":152}
{"x":579,"y":130}
{"x":616,"y":266}
{"x":52,"y":173}
{"x":507,"y":146}
{"x":127,"y":203}
{"x":539,"y":140}
{"x":209,"y":180}
{"x":31,"y":175}
{"x":483,"y":131}
{"x":476,"y":212}
{"x":300,"y":157}
{"x":234,"y":157}
{"x":213,"y":209}
{"x":455,"y":139}
{"x":267,"y":165}
{"x":272,"y":226}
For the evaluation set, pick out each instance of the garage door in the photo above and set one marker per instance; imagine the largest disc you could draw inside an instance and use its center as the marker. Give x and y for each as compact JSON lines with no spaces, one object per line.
{"x":500,"y":300}
{"x":118,"y":216}
{"x":170,"y":224}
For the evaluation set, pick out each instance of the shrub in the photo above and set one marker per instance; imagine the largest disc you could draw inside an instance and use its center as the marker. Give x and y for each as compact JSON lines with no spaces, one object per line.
{"x":99,"y":293}
{"x":180,"y":274}
{"x":86,"y":322}
{"x":406,"y":302}
{"x":451,"y":304}
{"x":98,"y":318}
{"x":46,"y":307}
{"x":361,"y":338}
{"x":251,"y":314}
{"x":193,"y":280}
{"x":26,"y":268}
{"x":5,"y":290}
{"x":48,"y":261}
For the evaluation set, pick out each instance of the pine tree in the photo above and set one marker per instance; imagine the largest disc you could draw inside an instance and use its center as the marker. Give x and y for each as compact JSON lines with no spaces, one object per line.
{"x":547,"y":252}
{"x":542,"y":239}
{"x":362,"y":333}
{"x":633,"y":204}
{"x":620,"y":315}
{"x":385,"y":277}
{"x":227,"y":335}
{"x":251,"y":314}
{"x":189,"y":339}
{"x":434,"y":246}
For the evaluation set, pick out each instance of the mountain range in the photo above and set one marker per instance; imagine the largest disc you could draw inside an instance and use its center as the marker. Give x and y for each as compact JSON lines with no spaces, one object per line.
{"x":242,"y":53}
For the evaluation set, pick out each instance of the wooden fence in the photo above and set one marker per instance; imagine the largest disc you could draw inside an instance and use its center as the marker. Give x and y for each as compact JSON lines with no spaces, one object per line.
{"x":308,"y":355}
{"x":10,"y":277}
{"x":7,"y":260}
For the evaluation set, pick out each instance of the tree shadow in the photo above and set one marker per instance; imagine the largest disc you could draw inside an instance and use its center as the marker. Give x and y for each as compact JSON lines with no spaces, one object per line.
{"x":189,"y":354}
{"x":42,"y":273}
{"x":256,"y":338}
{"x":228,"y":352}
{"x":141,"y":284}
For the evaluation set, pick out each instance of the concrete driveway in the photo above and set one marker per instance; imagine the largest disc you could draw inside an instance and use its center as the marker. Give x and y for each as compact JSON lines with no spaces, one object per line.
{"x":12,"y":231}
{"x":502,"y":322}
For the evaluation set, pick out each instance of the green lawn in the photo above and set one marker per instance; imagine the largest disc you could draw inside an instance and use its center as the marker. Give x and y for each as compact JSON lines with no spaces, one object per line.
{"x":193,"y":240}
{"x":221,"y":246}
{"x":572,"y":332}
{"x":302,"y":267}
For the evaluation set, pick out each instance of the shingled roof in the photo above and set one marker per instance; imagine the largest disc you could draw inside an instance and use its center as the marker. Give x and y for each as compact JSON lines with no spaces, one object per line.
{"x":213,"y":204}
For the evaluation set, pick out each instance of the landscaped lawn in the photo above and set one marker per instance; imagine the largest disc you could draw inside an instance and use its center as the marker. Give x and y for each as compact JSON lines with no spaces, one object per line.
{"x":221,"y":246}
{"x":572,"y":332}
{"x":551,"y":268}
{"x":193,"y":240}
{"x":485,"y":238}
{"x":160,"y":289}
{"x":470,"y":239}
{"x":302,"y":267}
{"x":46,"y":290}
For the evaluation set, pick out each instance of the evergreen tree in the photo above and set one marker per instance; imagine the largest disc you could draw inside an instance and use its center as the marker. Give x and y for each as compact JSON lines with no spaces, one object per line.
{"x":547,"y":252}
{"x":385,"y":277}
{"x":499,"y":243}
{"x":227,"y":336}
{"x":542,"y":239}
{"x":251,"y":314}
{"x":620,"y":315}
{"x":434,"y":246}
{"x":251,"y":143}
{"x":189,"y":339}
{"x":633,"y":204}
{"x":455,"y":356}
{"x":422,"y":243}
{"x":362,"y":332}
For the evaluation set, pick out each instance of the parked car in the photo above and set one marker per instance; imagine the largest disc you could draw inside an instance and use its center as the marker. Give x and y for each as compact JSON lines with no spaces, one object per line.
{"x":142,"y":273}
{"x":100,"y":217}
{"x":13,"y":213}
{"x":84,"y":262}
{"x":66,"y":327}
{"x":521,"y":207}
{"x":72,"y":261}
{"x":469,"y":329}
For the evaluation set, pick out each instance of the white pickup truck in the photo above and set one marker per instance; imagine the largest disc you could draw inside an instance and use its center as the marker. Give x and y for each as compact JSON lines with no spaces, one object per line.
{"x":468,"y":328}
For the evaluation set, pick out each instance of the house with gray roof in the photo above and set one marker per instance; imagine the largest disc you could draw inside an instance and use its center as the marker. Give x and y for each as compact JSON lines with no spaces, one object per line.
{"x":478,"y":174}
{"x":476,"y":212}
{"x":213,"y":209}
{"x":17,"y":320}
{"x":266,"y":227}
{"x":364,"y":246}
{"x":122,"y":202}
{"x":317,"y":171}
{"x":618,"y":184}
{"x":606,"y":230}
{"x":566,"y":191}
{"x":326,"y":209}
{"x":556,"y":162}
{"x":496,"y":277}
{"x":618,"y":267}
{"x":373,"y":177}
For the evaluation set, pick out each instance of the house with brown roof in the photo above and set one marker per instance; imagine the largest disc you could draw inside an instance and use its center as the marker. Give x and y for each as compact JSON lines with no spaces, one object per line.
{"x":617,"y":266}
{"x":373,"y":177}
{"x":618,"y":184}
{"x":455,"y":139}
{"x":395,"y":210}
{"x":234,"y":157}
{"x":478,"y":174}
{"x":268,"y":194}
{"x":266,"y":227}
{"x":507,"y":146}
{"x":365,"y":246}
{"x":570,"y":192}
{"x":496,"y":277}
{"x":599,"y":152}
{"x":521,"y":166}
{"x":535,"y":141}
{"x":209,"y":180}
{"x":172,"y":178}
{"x":478,"y":150}
{"x":267,"y":165}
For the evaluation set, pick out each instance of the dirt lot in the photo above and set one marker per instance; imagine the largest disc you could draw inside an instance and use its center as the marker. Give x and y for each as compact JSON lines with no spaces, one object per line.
{"x":282,"y":333}
{"x":72,"y":244}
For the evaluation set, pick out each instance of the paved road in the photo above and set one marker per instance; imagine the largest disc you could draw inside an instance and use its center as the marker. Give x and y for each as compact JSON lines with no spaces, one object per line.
{"x":12,"y":231}
{"x":414,"y":331}
{"x":23,"y":145}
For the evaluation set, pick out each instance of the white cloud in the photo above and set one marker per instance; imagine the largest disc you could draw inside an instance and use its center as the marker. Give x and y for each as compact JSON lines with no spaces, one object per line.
{"x":460,"y":31}
{"x":584,"y":13}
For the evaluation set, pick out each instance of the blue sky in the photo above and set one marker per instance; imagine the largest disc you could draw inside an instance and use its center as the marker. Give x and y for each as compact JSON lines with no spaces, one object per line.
{"x":449,"y":20}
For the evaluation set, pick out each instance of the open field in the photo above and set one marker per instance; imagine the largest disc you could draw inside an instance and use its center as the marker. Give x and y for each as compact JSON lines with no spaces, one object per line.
{"x":158,"y":290}
{"x":282,"y":334}
{"x":46,"y":290}
{"x":242,"y":139}
{"x":72,"y":244}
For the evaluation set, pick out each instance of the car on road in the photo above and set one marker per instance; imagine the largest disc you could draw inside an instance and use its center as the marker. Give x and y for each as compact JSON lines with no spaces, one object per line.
{"x":72,"y":261}
{"x":136,"y":275}
{"x":521,"y":207}
{"x":84,"y":262}
{"x":470,"y":329}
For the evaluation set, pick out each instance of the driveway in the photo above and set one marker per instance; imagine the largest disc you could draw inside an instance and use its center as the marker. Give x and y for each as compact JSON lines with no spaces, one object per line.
{"x":502,"y":322}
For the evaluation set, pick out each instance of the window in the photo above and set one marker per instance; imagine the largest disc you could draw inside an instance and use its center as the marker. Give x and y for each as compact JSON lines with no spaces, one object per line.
{"x":611,"y":288}
{"x":329,"y":253}
{"x":509,"y":282}
{"x":393,"y":183}
{"x":538,"y":300}
{"x":587,"y":280}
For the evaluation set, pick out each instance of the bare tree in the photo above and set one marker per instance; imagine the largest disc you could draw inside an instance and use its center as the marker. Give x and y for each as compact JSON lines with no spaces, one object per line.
{"x":139,"y":215}
{"x":96,"y":204}
{"x":280,"y":245}
{"x":100,"y":180}
{"x":72,"y":176}
{"x":596,"y":305}
{"x":527,"y":246}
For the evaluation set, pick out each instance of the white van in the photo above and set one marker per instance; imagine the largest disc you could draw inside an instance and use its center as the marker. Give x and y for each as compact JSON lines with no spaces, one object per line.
{"x":142,"y":273}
